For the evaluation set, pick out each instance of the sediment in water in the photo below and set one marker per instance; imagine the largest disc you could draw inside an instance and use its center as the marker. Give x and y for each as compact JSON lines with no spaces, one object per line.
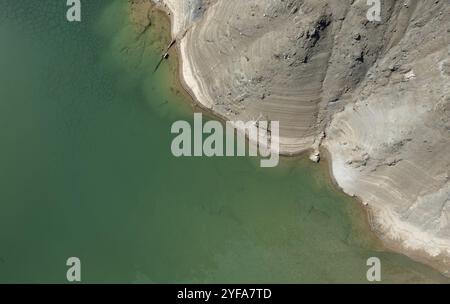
{"x":371,"y":106}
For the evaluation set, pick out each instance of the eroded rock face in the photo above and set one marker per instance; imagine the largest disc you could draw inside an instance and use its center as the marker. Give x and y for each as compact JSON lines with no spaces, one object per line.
{"x":391,"y":144}
{"x":289,"y":60}
{"x":375,"y":94}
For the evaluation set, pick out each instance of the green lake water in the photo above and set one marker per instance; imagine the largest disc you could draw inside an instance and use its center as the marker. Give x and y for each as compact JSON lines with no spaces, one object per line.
{"x":86,"y":170}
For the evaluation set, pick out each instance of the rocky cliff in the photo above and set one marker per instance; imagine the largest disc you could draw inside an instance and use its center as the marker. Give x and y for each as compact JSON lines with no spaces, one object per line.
{"x":374,"y":94}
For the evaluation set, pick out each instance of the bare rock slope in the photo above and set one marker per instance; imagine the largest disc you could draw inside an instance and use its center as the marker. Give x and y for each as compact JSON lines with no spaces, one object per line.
{"x":374,"y":94}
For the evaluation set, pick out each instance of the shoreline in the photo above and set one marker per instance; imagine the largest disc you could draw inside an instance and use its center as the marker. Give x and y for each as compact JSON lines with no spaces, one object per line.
{"x":389,"y":244}
{"x":179,"y":64}
{"x":196,"y":103}
{"x":386,"y":243}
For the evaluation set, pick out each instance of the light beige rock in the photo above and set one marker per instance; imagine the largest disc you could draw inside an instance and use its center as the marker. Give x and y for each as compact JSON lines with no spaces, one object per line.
{"x":375,"y":95}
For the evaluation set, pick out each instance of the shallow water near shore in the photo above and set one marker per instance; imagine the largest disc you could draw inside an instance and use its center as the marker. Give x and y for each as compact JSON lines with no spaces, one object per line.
{"x":86,"y":170}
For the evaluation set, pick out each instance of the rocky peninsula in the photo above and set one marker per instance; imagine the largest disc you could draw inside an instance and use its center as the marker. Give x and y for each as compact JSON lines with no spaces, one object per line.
{"x":374,"y":97}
